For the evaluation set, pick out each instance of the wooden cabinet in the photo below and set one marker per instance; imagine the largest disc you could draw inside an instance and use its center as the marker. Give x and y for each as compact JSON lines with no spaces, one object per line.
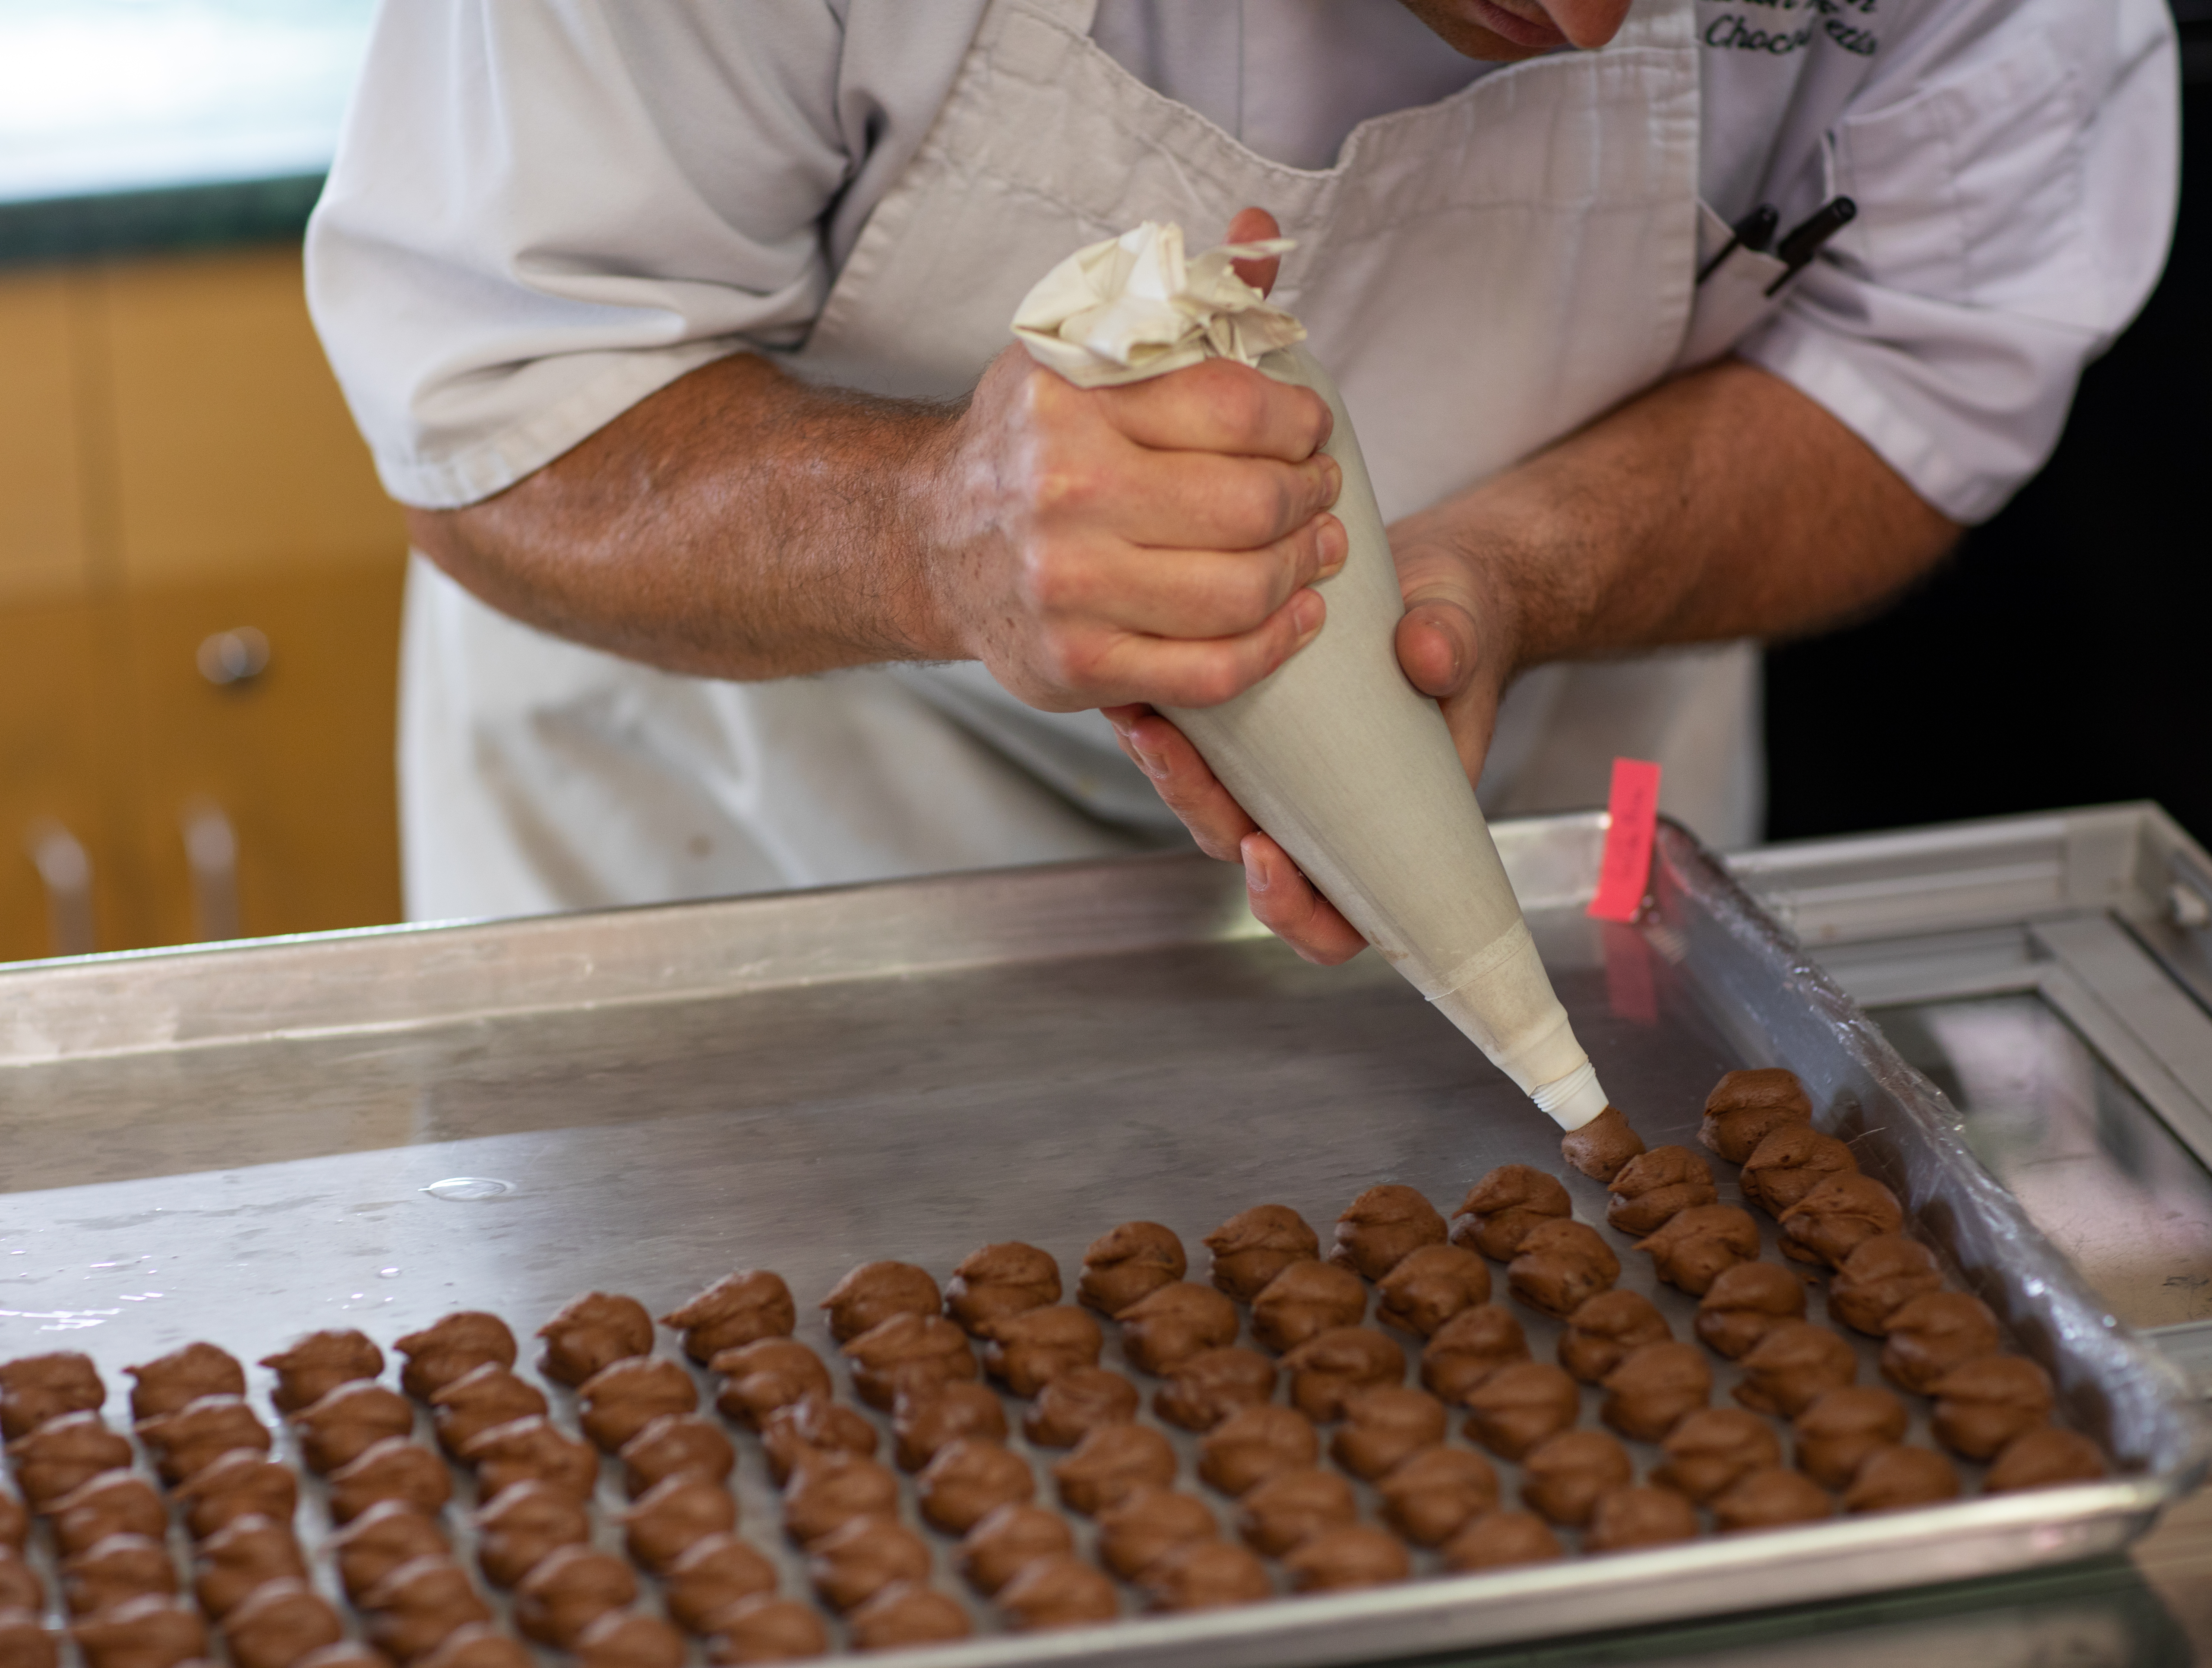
{"x":175,"y":465}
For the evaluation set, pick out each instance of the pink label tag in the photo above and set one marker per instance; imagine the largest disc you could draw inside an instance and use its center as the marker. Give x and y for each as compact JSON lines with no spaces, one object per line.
{"x":1633,"y":807}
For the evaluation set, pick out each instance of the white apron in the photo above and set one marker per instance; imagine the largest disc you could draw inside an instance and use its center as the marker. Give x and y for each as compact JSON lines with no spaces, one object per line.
{"x":1482,"y":276}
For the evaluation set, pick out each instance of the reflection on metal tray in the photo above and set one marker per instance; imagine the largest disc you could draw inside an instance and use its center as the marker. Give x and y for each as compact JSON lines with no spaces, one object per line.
{"x":241,"y":1143}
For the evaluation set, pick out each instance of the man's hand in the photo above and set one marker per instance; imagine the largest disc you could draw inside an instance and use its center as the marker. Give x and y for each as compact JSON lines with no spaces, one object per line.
{"x":1655,"y":525}
{"x":1152,"y":542}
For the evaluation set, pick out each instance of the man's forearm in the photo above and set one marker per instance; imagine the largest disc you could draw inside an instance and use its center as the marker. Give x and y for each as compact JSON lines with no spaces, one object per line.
{"x":1724,"y":504}
{"x":737,"y":523}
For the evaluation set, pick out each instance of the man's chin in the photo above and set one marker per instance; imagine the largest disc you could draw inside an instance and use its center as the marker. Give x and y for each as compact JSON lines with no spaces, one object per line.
{"x":1486,"y":30}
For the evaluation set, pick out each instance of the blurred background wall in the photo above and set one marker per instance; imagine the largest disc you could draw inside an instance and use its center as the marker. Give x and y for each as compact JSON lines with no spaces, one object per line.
{"x":200,"y":579}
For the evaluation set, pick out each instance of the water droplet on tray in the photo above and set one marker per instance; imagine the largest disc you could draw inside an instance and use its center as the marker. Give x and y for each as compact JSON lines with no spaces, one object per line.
{"x":388,"y":1274}
{"x":469,"y":1187}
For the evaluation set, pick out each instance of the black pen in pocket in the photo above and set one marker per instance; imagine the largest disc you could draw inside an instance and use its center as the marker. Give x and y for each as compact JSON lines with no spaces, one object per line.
{"x":1753,"y":232}
{"x":1796,"y":251}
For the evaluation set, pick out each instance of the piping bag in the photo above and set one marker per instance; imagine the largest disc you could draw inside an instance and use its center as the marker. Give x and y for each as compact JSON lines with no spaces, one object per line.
{"x":1334,"y":754}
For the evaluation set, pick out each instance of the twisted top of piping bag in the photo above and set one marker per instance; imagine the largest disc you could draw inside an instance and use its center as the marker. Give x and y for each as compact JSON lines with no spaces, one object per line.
{"x":1134,"y":307}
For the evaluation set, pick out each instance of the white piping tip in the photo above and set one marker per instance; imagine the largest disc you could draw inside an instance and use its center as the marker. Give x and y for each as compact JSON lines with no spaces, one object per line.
{"x":1573,"y":1100}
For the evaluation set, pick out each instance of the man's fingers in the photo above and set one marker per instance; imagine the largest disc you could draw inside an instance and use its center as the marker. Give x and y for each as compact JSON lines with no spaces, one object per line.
{"x":1122,"y":666}
{"x":1182,"y":780}
{"x":1285,"y":902}
{"x":1436,"y":647}
{"x":1255,"y":226}
{"x":1220,"y":406}
{"x":1196,"y":593}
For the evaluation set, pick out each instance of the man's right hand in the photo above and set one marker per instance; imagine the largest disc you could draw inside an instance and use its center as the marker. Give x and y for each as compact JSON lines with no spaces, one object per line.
{"x":1152,"y":543}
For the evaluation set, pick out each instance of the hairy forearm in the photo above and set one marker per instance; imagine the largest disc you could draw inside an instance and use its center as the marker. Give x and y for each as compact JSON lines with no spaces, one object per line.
{"x":1724,"y":504}
{"x":737,"y":523}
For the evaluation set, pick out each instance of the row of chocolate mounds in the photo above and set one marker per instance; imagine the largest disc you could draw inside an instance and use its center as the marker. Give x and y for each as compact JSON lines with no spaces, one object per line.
{"x":239,"y":1504}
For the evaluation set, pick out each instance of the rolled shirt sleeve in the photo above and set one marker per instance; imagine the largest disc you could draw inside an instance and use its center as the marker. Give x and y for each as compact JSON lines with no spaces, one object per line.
{"x":542,"y":213}
{"x":2016,"y":173}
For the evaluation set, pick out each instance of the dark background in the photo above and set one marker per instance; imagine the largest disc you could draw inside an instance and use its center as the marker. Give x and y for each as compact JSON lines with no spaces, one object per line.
{"x":2063,"y":656}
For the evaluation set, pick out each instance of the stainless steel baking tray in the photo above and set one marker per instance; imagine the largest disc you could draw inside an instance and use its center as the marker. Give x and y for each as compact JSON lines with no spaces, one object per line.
{"x":241,"y":1143}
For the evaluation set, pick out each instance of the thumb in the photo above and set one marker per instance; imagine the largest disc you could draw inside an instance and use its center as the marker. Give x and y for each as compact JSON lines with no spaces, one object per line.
{"x":1437,"y":646}
{"x":1252,"y":226}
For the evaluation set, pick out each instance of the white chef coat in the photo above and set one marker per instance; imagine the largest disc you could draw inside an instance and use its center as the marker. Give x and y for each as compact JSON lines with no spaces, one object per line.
{"x":2013,"y":160}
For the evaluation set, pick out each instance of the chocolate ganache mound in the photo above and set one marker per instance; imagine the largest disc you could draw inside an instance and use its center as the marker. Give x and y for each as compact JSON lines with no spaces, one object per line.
{"x":167,"y":1382}
{"x":1604,"y":1329}
{"x":1694,"y":1247}
{"x":1292,"y":1506}
{"x":1654,"y":1186}
{"x":630,"y":1641}
{"x":760,"y":1378}
{"x":1204,"y":1575}
{"x":851,"y":1564}
{"x":1433,"y":1493}
{"x":1789,"y":1162}
{"x":906,"y":1613}
{"x":1175,"y":1322}
{"x":1792,"y":1365}
{"x":481,"y":1400}
{"x":1429,"y":1286}
{"x":525,"y":1448}
{"x":2044,"y":1458}
{"x":927,"y":1417}
{"x":1564,"y":1478}
{"x":1561,"y":1265}
{"x":1839,"y":1428}
{"x":1892,"y":1478}
{"x":1601,"y":1147}
{"x":993,"y":1553}
{"x":1253,"y":1246}
{"x":686,"y":1442}
{"x":1521,"y":1406}
{"x":737,"y":1309}
{"x":1746,"y":1106}
{"x":1881,"y":1276}
{"x":1112,"y":1463}
{"x":1469,"y":1347}
{"x":1000,"y":1282}
{"x":833,"y":1488}
{"x":1060,"y":1591}
{"x":1129,"y":1263}
{"x":1076,"y":1402}
{"x":1746,"y":1302}
{"x":1711,"y":1449}
{"x":1304,"y":1300}
{"x":1984,"y":1403}
{"x":452,"y":1348}
{"x":35,"y":1390}
{"x":1206,"y":1388}
{"x":1655,"y":1388}
{"x":1381,"y":1226}
{"x":1501,"y":1207}
{"x":904,"y":1352}
{"x":670,"y":1518}
{"x":1252,"y":1445}
{"x":1384,"y":1425}
{"x":812,"y":1424}
{"x":380,"y":1540}
{"x":1030,"y":1348}
{"x":1770,"y":1498}
{"x":1327,"y":1368}
{"x":1930,"y":1336}
{"x":766,"y":1629}
{"x":1149,"y":1524}
{"x":1837,"y":1217}
{"x":1501,"y":1540}
{"x":874,"y":1292}
{"x":316,"y":1364}
{"x":592,"y":1331}
{"x":349,"y":1420}
{"x":1625,"y":1519}
{"x":522,"y":1525}
{"x":1342,"y":1560}
{"x":969,"y":1480}
{"x":713,"y":1575}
